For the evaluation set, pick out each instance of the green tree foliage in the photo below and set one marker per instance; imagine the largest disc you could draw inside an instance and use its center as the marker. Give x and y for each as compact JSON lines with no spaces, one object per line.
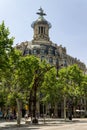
{"x":83,"y":89}
{"x":21,"y":75}
{"x":64,"y":87}
{"x":71,"y":78}
{"x":49,"y":88}
{"x":68,"y":83}
{"x":5,"y":46}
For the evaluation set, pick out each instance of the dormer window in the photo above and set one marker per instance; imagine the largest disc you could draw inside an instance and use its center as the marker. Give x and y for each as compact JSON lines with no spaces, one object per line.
{"x":50,"y":51}
{"x":34,"y":51}
{"x":42,"y":51}
{"x":50,"y":60}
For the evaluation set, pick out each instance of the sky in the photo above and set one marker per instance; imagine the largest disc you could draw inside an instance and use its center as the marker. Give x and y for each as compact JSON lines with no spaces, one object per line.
{"x":68,"y":19}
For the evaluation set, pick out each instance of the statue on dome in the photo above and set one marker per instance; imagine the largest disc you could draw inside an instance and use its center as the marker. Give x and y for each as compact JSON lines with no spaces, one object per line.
{"x":41,"y":13}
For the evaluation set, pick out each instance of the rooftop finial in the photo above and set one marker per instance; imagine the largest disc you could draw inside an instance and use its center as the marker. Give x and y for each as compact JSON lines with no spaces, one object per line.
{"x":41,"y":13}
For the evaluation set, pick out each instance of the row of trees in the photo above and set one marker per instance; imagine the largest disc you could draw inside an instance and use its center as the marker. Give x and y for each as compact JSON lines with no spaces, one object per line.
{"x":25,"y":77}
{"x":20,"y":76}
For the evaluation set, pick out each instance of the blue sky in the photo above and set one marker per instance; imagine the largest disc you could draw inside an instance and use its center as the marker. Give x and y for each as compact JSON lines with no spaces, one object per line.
{"x":68,"y":19}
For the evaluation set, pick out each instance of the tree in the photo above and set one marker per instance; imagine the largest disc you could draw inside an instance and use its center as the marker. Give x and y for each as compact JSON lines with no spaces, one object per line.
{"x":38,"y":79}
{"x":23,"y":69}
{"x":5,"y":46}
{"x":84,"y":86}
{"x":51,"y":91}
{"x":70,"y":78}
{"x":27,"y":74}
{"x":83,"y":92}
{"x":66,"y":86}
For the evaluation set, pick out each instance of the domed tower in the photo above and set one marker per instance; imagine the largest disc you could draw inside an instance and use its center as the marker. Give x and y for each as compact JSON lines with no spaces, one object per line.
{"x":41,"y":27}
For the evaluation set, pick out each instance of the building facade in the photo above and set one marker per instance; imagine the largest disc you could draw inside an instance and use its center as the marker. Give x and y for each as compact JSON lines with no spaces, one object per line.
{"x":42,"y":47}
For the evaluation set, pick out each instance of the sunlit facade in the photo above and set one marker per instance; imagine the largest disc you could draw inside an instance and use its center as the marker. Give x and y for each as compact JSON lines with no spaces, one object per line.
{"x":42,"y":47}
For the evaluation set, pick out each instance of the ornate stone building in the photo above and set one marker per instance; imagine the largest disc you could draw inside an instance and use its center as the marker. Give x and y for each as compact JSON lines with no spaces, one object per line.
{"x":42,"y":47}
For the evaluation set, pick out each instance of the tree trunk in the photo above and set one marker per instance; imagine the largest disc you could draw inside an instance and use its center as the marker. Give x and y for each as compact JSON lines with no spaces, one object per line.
{"x":18,"y":112}
{"x":65,"y":108}
{"x":55,"y":110}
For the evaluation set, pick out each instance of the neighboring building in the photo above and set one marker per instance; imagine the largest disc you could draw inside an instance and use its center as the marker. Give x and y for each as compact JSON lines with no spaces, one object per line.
{"x":42,"y":47}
